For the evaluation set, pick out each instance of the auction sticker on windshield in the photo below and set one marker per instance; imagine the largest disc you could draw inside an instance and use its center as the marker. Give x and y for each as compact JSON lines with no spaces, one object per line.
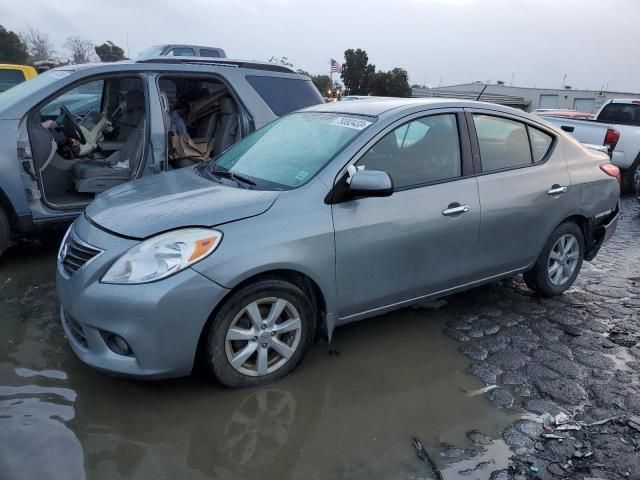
{"x":355,"y":123}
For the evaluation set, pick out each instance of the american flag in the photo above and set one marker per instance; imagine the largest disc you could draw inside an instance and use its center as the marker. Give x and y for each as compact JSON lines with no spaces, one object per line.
{"x":335,"y":66}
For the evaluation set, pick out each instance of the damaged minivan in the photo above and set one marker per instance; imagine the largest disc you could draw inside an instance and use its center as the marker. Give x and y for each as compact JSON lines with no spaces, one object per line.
{"x":79,"y":130}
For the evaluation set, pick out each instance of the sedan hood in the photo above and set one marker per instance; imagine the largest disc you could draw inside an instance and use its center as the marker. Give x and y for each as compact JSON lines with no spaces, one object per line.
{"x":173,"y":200}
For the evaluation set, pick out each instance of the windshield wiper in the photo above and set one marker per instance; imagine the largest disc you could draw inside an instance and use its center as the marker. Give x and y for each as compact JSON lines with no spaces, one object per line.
{"x":224,"y":173}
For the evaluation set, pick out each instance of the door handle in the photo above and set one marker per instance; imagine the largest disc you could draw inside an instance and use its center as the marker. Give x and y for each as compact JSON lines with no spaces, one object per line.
{"x":556,"y":190}
{"x":456,"y":210}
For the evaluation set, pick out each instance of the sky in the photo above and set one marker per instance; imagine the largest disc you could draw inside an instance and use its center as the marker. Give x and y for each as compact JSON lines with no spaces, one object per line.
{"x":439,"y":42}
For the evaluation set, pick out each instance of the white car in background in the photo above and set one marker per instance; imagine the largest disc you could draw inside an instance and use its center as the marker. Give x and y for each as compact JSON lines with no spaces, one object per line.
{"x":617,"y":126}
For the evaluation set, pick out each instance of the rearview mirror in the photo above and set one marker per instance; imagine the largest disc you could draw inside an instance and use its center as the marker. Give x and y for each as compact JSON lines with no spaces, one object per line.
{"x":371,"y":183}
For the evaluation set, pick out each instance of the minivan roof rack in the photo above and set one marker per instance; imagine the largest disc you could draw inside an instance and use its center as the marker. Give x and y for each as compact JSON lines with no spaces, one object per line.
{"x":221,"y":62}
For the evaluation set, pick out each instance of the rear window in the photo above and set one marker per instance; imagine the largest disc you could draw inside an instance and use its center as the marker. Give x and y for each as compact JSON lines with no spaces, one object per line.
{"x":624,"y":113}
{"x":209,"y":52}
{"x":10,"y":78}
{"x":284,"y":95}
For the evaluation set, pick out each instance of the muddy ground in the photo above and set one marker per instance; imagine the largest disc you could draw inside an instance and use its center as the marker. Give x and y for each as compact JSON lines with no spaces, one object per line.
{"x":562,"y":395}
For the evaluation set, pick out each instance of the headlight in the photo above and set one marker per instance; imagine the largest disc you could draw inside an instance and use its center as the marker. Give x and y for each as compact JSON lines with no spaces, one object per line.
{"x":62,"y":251}
{"x":163,"y":255}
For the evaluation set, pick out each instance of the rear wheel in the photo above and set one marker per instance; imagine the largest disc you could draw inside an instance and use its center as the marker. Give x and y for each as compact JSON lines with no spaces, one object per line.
{"x":559,"y":262}
{"x":260,"y":334}
{"x":5,"y":231}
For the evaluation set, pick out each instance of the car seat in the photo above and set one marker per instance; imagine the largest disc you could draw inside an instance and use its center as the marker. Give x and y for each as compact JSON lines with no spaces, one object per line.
{"x":94,"y":176}
{"x":227,"y":126}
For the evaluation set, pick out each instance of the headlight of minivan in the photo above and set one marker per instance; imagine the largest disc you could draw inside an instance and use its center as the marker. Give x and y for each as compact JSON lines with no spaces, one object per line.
{"x":163,"y":255}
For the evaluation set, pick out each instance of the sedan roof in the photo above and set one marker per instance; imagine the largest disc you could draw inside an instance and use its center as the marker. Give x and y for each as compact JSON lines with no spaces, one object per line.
{"x":383,"y":105}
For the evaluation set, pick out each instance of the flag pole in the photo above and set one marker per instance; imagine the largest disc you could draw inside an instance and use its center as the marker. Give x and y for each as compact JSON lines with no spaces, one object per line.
{"x":331,"y":73}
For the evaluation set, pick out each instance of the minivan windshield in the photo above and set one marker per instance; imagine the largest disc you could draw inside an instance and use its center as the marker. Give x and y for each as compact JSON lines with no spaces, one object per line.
{"x":288,"y":152}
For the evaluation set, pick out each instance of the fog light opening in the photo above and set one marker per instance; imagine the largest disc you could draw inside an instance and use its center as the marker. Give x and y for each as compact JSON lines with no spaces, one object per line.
{"x":118,"y":345}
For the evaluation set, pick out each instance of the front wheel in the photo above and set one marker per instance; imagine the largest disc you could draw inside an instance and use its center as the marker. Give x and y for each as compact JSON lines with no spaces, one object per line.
{"x":559,"y":262}
{"x":260,"y":334}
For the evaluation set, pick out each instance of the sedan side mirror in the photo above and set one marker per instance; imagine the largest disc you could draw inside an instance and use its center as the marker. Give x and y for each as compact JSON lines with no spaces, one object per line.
{"x":371,"y":183}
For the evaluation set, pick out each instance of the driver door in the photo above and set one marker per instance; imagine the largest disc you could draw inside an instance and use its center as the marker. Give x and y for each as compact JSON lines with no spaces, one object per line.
{"x":421,"y":239}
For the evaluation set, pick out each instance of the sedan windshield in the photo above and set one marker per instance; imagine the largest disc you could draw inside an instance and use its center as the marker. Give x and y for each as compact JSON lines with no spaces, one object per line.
{"x":288,"y":152}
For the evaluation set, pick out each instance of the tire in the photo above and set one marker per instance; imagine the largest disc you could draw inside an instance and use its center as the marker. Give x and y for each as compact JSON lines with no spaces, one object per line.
{"x":630,"y":180}
{"x":567,"y":245}
{"x":5,"y":231}
{"x":245,"y":317}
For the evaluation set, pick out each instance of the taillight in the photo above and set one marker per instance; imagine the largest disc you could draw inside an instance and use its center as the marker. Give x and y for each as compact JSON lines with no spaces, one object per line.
{"x":611,"y":138}
{"x":612,"y":171}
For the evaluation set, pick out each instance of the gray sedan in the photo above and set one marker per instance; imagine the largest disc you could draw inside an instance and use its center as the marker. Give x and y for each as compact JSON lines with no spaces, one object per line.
{"x":329,"y":215}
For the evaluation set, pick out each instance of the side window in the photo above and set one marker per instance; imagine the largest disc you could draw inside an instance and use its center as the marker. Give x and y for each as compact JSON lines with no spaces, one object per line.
{"x":503,"y":143}
{"x":421,"y":151}
{"x":284,"y":95}
{"x":181,"y":52}
{"x":10,"y":78}
{"x":540,"y":143}
{"x":80,"y":101}
{"x":209,"y":52}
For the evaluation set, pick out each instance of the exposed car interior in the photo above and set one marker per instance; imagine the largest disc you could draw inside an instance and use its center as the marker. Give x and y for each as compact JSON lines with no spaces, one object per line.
{"x":201,"y":118}
{"x":89,"y":139}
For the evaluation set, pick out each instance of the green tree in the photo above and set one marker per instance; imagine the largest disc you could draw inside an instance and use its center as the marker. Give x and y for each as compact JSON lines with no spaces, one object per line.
{"x":398,"y":83}
{"x":12,"y":49}
{"x":394,"y":83}
{"x":110,"y":52}
{"x":356,"y":72}
{"x":322,"y":83}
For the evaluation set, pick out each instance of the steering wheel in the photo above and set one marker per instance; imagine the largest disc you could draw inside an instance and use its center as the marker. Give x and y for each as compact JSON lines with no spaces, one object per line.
{"x":70,"y":125}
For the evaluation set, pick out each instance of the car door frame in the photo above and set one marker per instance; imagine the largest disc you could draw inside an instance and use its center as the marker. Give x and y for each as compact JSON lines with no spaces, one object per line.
{"x":467,"y":171}
{"x":528,"y":122}
{"x":54,"y":213}
{"x":245,"y":118}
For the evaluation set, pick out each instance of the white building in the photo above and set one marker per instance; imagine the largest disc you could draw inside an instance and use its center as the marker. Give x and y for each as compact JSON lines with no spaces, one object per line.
{"x":526,"y":98}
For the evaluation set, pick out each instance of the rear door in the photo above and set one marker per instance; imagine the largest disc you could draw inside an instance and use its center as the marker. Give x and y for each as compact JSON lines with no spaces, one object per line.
{"x":523,"y":185}
{"x":420,"y":240}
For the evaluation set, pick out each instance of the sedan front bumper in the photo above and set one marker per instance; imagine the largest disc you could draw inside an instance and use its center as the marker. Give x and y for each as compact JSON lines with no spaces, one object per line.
{"x":160,"y":321}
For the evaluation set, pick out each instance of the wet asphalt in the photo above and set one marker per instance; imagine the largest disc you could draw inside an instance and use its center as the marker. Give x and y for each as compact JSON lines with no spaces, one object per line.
{"x":352,"y":408}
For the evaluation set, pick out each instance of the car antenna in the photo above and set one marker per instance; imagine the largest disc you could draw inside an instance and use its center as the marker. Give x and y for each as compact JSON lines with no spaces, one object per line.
{"x":483,"y":89}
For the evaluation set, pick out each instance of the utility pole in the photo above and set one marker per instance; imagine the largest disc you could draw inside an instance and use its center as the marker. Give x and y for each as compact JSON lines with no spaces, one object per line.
{"x":564,"y":80}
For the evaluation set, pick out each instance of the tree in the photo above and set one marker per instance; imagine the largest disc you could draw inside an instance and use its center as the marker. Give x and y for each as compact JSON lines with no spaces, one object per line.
{"x":394,"y":83}
{"x":398,"y":83}
{"x":82,"y":50}
{"x":356,"y":72}
{"x":284,"y":61}
{"x":110,"y":52}
{"x":322,"y":83}
{"x":38,"y":44}
{"x":12,"y":49}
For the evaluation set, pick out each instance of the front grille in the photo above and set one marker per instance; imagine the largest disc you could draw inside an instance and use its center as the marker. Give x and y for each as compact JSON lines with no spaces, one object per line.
{"x":76,"y":330}
{"x":77,"y":253}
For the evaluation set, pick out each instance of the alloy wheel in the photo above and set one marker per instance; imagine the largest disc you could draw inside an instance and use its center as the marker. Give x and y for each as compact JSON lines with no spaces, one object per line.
{"x":263,"y":336}
{"x":563,"y":259}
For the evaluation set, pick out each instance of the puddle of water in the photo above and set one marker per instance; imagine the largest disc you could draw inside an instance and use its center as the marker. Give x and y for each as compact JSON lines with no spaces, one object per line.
{"x":337,"y":416}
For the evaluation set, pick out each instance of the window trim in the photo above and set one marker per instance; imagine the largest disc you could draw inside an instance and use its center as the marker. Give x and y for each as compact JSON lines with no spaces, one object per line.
{"x":247,"y":124}
{"x":172,"y":48}
{"x":475,"y":144}
{"x":33,"y":110}
{"x":466,"y":164}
